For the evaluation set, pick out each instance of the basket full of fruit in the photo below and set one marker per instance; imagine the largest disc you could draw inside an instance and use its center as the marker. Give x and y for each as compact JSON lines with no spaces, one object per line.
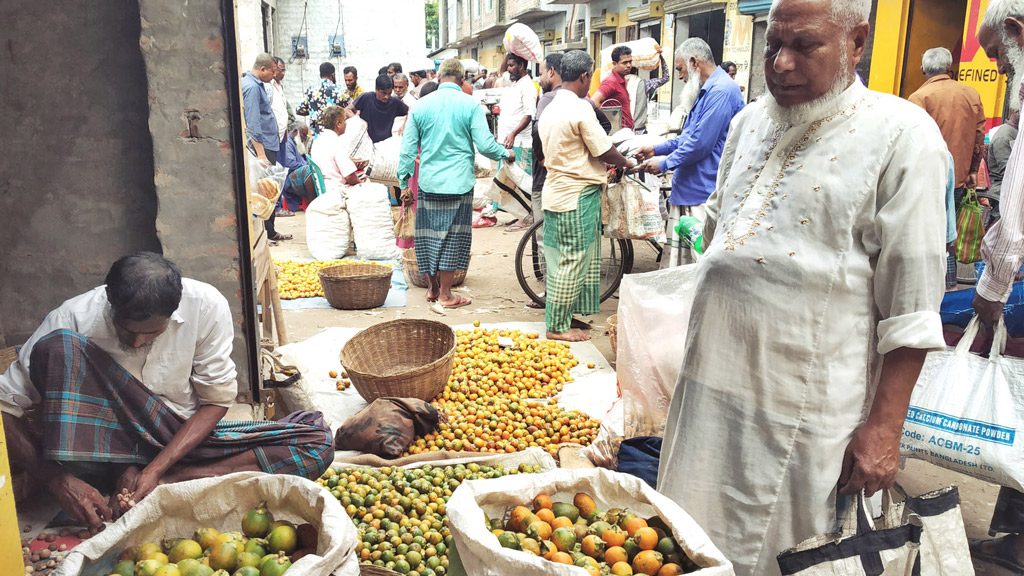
{"x":577,"y":522}
{"x":243,"y":524}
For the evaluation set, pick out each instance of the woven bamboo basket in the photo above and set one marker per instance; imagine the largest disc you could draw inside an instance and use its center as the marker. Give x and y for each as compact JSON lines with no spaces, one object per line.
{"x":371,"y":570}
{"x":412,"y":271}
{"x":356,"y":286}
{"x":401,"y":358}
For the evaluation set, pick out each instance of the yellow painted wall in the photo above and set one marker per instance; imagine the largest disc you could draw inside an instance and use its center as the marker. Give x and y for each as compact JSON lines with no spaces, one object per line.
{"x":10,"y":537}
{"x":490,"y":57}
{"x":890,"y":39}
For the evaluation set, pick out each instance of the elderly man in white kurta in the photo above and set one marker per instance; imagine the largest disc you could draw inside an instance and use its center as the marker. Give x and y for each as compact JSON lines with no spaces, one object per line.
{"x":817,"y":298}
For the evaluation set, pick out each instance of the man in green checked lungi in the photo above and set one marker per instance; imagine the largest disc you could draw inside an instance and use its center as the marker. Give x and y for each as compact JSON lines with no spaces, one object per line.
{"x":125,"y":387}
{"x":576,"y":150}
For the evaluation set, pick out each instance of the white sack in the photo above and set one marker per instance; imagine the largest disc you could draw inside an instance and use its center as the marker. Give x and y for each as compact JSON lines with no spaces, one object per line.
{"x":481,"y":554}
{"x":514,"y":178}
{"x":645,"y":54}
{"x":177,"y":510}
{"x":966,"y":411}
{"x":328,"y":231}
{"x":482,"y":194}
{"x":483,"y":167}
{"x":944,"y":548}
{"x":373,"y":226}
{"x":654,"y":313}
{"x":522,"y":41}
{"x":383,"y":168}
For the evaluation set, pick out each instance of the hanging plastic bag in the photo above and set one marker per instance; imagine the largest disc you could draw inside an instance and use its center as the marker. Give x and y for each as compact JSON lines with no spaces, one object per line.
{"x":970,"y":229}
{"x":522,"y":41}
{"x":966,"y":411}
{"x":944,"y":548}
{"x":633,"y":210}
{"x":266,"y":181}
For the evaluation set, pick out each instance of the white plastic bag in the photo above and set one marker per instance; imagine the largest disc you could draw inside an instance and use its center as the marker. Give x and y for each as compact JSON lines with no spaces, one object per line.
{"x":511,"y":190}
{"x":373,"y":226}
{"x":966,"y":411}
{"x":633,"y":210}
{"x":944,"y":548}
{"x":645,"y":54}
{"x":383,"y":168}
{"x":653,"y":316}
{"x":604,"y":450}
{"x":522,"y":41}
{"x":177,"y":510}
{"x":481,"y":555}
{"x":266,"y":181}
{"x":328,"y":230}
{"x":860,"y":548}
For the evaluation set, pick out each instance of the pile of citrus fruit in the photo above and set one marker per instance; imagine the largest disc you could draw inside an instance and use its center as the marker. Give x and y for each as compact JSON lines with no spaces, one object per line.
{"x":501,"y":397}
{"x":400,"y":514}
{"x":299,"y":279}
{"x":262,"y":548}
{"x":613,"y":542}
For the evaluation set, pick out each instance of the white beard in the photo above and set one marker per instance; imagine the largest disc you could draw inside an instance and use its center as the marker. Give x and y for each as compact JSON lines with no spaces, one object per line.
{"x":691,"y":90}
{"x":1015,"y":55}
{"x":815,"y":109}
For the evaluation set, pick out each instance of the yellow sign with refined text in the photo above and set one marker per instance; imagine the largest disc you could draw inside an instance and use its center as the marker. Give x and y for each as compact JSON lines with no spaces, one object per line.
{"x":977,"y":70}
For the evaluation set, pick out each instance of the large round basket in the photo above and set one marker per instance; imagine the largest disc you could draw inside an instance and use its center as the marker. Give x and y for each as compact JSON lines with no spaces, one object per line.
{"x":356,"y":286}
{"x":412,"y":271}
{"x":371,"y":570}
{"x":402,"y":358}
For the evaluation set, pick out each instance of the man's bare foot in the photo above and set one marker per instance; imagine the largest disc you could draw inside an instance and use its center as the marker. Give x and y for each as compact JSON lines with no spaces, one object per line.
{"x":432,"y":295}
{"x":573,"y":335}
{"x":455,"y":301}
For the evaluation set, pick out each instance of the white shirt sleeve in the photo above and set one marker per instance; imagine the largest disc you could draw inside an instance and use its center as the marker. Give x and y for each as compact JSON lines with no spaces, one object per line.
{"x":909,"y":231}
{"x":213,"y":371}
{"x":530,"y":96}
{"x":17,"y":393}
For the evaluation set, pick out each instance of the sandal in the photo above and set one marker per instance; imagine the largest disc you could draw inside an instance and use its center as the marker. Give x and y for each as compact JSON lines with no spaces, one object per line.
{"x":278,"y":236}
{"x":284,"y":213}
{"x":1004,"y":554}
{"x":459,"y":303}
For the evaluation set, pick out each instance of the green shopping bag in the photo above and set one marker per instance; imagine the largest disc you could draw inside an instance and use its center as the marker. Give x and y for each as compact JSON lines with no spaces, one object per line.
{"x":969,"y":229}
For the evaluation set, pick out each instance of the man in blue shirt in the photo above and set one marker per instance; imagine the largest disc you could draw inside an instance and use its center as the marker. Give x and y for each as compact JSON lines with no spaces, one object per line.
{"x":442,"y":131}
{"x":695,"y":153}
{"x":260,"y":122}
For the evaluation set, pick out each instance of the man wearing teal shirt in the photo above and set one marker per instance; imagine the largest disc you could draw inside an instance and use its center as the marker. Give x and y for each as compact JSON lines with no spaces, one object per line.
{"x":442,"y":130}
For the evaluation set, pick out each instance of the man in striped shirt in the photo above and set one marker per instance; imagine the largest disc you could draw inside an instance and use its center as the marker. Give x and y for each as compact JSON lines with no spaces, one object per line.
{"x":1002,"y":37}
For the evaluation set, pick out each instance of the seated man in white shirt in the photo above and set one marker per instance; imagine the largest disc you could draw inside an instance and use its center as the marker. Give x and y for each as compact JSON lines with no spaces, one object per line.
{"x":125,"y":386}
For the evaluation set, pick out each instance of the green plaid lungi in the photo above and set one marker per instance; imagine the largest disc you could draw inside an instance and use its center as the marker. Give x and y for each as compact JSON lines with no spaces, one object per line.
{"x":94,"y":410}
{"x":572,"y":251}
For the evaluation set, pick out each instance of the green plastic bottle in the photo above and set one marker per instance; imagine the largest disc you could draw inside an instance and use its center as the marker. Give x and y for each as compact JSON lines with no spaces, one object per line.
{"x":690,"y":231}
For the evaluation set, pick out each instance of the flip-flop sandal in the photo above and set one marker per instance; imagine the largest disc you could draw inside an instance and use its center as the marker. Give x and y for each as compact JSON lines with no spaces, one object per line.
{"x":1004,"y":555}
{"x":279,"y":237}
{"x":285,"y":213}
{"x":458,"y":304}
{"x":534,"y":305}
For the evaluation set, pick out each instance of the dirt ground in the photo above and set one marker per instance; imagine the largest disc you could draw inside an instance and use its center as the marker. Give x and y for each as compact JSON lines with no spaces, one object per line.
{"x":497,"y":297}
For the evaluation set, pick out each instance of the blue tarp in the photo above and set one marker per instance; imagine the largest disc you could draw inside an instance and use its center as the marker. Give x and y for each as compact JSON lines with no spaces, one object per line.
{"x":957,"y":311}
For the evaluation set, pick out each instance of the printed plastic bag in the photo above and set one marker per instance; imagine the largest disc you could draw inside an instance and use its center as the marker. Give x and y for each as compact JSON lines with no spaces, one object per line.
{"x":373,"y":226}
{"x":653,"y":316}
{"x":383,"y":168}
{"x":177,"y":510}
{"x":633,"y":210}
{"x":645,"y":54}
{"x":966,"y":411}
{"x":970,"y":229}
{"x":266,"y":181}
{"x":522,"y":41}
{"x":481,"y":555}
{"x":328,"y":229}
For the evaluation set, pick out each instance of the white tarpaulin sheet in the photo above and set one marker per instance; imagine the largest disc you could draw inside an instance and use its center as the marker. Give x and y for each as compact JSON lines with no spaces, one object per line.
{"x":592,"y":391}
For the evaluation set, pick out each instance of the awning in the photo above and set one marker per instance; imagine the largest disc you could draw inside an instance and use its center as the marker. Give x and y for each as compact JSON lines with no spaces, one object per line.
{"x":691,"y":7}
{"x":754,"y":7}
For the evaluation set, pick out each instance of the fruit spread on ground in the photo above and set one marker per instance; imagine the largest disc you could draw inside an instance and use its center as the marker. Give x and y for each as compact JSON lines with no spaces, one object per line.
{"x":400,"y":514}
{"x":615,"y":542}
{"x":501,"y":396}
{"x":299,"y":279}
{"x":262,"y":548}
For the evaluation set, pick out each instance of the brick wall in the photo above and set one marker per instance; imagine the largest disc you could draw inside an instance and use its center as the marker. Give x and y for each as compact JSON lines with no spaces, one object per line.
{"x":514,"y":8}
{"x":376,"y":33}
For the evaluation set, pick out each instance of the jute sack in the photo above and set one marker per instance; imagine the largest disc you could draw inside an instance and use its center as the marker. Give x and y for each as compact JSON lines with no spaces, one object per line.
{"x":177,"y":510}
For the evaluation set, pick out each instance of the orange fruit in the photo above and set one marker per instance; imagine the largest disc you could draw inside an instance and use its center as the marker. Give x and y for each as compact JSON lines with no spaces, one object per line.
{"x":547,"y":549}
{"x":647,"y":562}
{"x":646,"y":538}
{"x":622,"y":569}
{"x":561,"y":558}
{"x":592,"y":571}
{"x":616,"y":554}
{"x":541,"y":502}
{"x":564,"y":539}
{"x":593,"y":546}
{"x":613,"y":536}
{"x":585,"y":504}
{"x":561,"y":522}
{"x":670,"y":570}
{"x":515,"y":520}
{"x":634,"y":524}
{"x":546,"y":515}
{"x":539,"y":530}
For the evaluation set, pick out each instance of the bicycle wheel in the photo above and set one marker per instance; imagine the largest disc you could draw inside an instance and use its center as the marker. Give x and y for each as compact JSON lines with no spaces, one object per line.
{"x":616,"y":260}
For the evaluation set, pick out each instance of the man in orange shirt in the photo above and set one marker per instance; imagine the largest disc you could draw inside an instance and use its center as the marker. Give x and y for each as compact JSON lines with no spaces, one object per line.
{"x":958,"y":111}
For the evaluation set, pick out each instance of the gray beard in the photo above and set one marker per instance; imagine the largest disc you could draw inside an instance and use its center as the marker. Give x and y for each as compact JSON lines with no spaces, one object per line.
{"x":135,"y":352}
{"x":1015,"y":55}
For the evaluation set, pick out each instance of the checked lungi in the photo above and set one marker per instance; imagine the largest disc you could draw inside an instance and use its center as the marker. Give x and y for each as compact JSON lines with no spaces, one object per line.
{"x":94,"y":410}
{"x":572,"y":251}
{"x":444,"y":231}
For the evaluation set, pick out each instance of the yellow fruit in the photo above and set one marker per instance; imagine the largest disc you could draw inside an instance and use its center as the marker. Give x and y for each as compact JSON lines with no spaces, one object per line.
{"x":647,"y":562}
{"x":224,"y":556}
{"x":147,"y":551}
{"x":282,"y":539}
{"x":585,"y":504}
{"x":206,"y":537}
{"x":185,"y":549}
{"x":622,"y":569}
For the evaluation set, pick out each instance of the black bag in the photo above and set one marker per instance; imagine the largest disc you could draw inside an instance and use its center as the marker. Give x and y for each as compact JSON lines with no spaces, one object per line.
{"x":387,"y":426}
{"x":640,"y":457}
